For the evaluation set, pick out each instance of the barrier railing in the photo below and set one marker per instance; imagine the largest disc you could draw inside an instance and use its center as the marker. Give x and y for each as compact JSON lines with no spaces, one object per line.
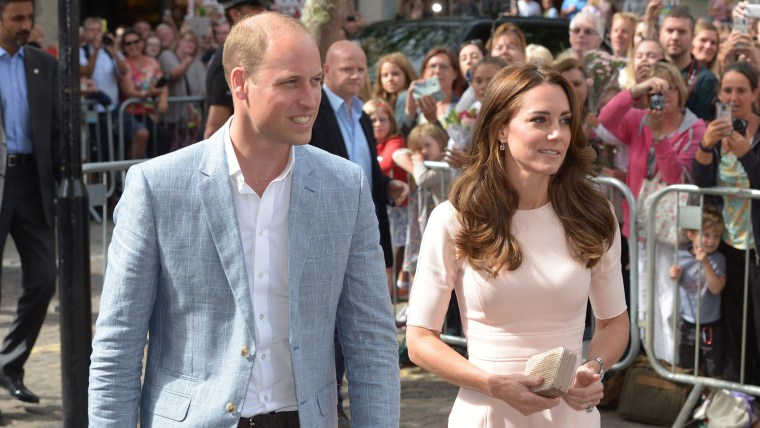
{"x":172,"y":125}
{"x":699,"y":382}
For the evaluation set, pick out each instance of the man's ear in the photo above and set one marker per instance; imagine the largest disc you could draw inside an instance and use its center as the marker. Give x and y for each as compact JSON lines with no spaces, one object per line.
{"x":239,"y":83}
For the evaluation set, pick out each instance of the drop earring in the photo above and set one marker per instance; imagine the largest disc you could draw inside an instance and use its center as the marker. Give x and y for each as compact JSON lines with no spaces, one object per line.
{"x":501,"y":145}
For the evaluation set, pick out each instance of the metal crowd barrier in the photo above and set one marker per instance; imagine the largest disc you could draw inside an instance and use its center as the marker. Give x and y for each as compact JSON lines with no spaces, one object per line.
{"x":184,"y":121}
{"x":699,"y":382}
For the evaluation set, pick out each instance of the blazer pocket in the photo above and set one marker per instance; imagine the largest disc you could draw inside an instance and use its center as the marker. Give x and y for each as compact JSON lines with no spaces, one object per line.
{"x":168,"y":395}
{"x":327,"y":398}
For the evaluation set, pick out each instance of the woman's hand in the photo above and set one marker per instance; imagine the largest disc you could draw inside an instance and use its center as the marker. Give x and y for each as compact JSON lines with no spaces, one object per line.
{"x":653,"y":85}
{"x":717,"y":130}
{"x":515,"y":390}
{"x":586,"y":390}
{"x":737,"y":143}
{"x":411,"y":104}
{"x":675,"y":272}
{"x":429,"y":107}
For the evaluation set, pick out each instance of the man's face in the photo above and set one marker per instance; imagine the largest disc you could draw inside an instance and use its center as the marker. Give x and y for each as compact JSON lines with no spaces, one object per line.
{"x":584,"y":37}
{"x":345,"y":72}
{"x":284,"y":94}
{"x":17,"y":20}
{"x":92,"y":31}
{"x":221,"y":31}
{"x":675,"y":36}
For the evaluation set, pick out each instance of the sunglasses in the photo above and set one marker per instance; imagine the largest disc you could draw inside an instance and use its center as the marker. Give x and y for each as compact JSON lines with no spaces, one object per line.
{"x":131,"y":42}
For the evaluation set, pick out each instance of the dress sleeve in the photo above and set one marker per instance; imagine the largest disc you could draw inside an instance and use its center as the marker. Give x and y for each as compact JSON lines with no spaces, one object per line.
{"x":437,"y":271}
{"x":607,"y":294}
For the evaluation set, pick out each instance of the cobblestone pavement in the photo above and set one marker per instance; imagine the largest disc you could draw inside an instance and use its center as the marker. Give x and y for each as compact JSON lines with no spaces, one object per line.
{"x":425,"y":399}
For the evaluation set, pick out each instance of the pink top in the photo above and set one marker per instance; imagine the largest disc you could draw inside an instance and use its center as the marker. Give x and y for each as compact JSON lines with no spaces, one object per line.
{"x":673,"y":155}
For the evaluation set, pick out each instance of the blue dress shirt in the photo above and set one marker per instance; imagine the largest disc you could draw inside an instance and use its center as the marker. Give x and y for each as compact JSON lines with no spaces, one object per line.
{"x":356,"y":142}
{"x":13,"y":95}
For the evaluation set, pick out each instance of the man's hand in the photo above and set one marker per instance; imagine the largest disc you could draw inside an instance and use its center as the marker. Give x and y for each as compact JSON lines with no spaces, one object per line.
{"x":398,"y":191}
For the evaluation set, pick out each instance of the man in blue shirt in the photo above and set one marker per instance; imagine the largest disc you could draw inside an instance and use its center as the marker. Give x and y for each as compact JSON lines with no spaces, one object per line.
{"x":29,"y":162}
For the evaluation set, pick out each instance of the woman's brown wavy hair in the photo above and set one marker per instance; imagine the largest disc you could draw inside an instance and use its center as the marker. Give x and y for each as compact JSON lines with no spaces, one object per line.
{"x":486,"y":203}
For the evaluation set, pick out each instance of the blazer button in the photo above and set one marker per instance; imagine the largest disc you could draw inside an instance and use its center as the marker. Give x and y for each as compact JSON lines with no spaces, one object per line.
{"x":244,"y":351}
{"x":230,"y":408}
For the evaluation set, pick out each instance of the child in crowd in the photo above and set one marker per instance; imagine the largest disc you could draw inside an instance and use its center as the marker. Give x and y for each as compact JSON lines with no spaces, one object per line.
{"x":427,"y":142}
{"x":394,"y":73}
{"x":389,"y":140}
{"x":701,"y":274}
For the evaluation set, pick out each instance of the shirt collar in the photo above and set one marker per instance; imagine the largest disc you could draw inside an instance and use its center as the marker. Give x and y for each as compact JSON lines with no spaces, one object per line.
{"x":337,"y":102}
{"x":20,"y":52}
{"x":233,"y":166}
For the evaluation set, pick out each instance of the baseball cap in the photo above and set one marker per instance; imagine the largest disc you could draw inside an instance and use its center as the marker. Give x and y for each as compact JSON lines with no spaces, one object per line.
{"x":232,"y":3}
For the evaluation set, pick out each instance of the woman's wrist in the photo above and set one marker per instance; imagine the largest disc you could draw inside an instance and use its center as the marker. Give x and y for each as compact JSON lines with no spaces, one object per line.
{"x":704,"y":148}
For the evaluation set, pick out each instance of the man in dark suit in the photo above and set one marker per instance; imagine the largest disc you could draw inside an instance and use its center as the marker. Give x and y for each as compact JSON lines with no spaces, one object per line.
{"x":29,"y":159}
{"x":343,"y":129}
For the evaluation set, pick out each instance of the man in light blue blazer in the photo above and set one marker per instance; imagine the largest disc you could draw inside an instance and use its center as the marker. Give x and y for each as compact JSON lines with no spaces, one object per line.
{"x":235,"y":258}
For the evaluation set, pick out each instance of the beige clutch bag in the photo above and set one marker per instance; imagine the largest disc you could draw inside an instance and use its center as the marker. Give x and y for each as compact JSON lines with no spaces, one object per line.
{"x":557,"y":368}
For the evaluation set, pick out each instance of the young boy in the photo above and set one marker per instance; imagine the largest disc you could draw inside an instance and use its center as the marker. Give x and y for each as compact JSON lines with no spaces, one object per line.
{"x":701,"y":269}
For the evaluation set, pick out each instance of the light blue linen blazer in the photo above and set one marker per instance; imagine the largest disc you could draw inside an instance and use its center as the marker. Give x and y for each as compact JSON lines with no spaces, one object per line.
{"x":176,"y":278}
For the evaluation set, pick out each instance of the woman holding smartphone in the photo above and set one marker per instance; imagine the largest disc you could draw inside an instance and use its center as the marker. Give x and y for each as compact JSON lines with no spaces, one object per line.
{"x":728,"y":157}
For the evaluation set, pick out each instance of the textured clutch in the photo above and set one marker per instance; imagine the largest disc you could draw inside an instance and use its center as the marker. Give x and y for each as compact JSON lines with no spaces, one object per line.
{"x":557,"y":368}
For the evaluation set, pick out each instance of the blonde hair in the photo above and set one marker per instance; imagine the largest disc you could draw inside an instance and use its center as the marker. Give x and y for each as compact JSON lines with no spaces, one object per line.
{"x":427,"y":130}
{"x":247,"y":44}
{"x":672,"y":74}
{"x":538,"y":54}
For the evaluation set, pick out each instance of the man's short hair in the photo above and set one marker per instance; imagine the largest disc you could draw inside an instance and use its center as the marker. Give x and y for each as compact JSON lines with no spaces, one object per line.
{"x":4,"y":3}
{"x":588,"y":16}
{"x":92,"y":20}
{"x":682,"y":12}
{"x":247,"y":44}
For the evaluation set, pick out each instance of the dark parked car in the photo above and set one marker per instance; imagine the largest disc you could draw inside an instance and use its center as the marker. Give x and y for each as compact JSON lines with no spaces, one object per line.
{"x":415,"y":38}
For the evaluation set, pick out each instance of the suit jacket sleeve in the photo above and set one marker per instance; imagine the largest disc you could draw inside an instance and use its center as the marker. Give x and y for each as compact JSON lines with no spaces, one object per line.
{"x":366,"y":327}
{"x":126,"y":305}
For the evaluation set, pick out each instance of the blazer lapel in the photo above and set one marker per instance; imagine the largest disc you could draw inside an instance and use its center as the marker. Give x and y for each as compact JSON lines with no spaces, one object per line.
{"x":331,"y":120}
{"x":304,"y":196}
{"x":215,"y":193}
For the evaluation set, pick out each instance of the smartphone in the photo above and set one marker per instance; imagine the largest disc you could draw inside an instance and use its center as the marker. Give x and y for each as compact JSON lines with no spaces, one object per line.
{"x":724,"y":110}
{"x":162,"y":82}
{"x":741,"y":25}
{"x":752,"y":11}
{"x":429,"y":87}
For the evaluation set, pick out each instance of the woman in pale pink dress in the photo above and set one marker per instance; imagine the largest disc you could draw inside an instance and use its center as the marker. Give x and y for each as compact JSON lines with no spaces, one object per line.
{"x":525,"y":240}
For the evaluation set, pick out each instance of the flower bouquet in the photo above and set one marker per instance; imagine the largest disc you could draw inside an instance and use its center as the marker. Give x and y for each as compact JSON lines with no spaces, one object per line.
{"x":602,"y":70}
{"x":459,"y":126}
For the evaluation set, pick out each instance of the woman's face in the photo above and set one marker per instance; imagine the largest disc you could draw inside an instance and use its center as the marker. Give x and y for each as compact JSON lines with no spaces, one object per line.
{"x":705,"y":46}
{"x":187,"y":46}
{"x":440,"y":66}
{"x":132,"y":45}
{"x":381,"y":124}
{"x":735,"y":89}
{"x":481,"y":77}
{"x":647,"y":54}
{"x":639,"y":33}
{"x":507,"y":47}
{"x":538,"y":136}
{"x":392,"y":78}
{"x":672,"y":99}
{"x":578,"y":82}
{"x":469,"y":56}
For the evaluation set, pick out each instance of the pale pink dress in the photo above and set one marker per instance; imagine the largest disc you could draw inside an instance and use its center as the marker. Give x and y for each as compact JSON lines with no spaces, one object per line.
{"x":507,"y":319}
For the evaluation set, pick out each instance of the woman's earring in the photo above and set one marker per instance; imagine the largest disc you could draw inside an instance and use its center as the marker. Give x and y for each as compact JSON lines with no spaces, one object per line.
{"x":501,"y":145}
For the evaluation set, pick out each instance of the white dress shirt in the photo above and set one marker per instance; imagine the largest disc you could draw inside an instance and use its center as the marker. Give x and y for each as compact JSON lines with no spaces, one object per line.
{"x":263,"y":222}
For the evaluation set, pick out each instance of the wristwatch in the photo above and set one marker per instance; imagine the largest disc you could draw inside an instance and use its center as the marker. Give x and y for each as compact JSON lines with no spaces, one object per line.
{"x":599,"y":361}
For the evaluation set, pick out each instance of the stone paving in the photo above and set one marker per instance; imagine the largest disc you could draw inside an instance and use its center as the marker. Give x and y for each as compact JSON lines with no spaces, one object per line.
{"x":425,"y":399}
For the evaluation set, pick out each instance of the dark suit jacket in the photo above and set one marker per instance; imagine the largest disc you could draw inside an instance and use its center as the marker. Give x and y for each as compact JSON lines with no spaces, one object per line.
{"x":41,"y":71}
{"x":327,"y":136}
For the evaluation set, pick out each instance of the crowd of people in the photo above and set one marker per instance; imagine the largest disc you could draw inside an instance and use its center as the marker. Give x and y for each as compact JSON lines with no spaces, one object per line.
{"x":467,"y":172}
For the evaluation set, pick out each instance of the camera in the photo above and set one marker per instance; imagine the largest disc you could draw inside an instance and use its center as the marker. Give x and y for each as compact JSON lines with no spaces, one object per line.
{"x":740,"y":126}
{"x":657,"y":102}
{"x":107,"y":40}
{"x":162,"y":82}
